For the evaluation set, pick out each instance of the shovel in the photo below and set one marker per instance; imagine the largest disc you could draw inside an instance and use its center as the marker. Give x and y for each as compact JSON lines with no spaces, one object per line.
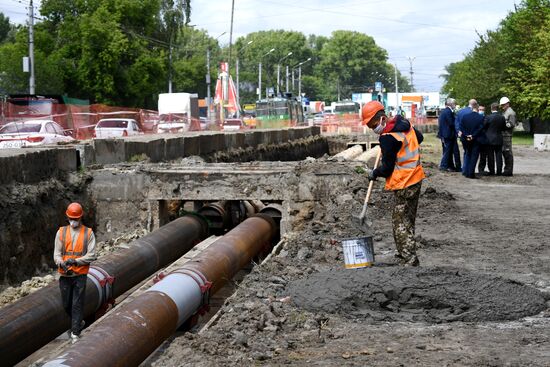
{"x":363,"y":215}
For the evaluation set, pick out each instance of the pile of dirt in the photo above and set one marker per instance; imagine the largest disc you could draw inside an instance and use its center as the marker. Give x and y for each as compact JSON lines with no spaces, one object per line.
{"x":431,"y":295}
{"x":12,"y":294}
{"x":120,"y":242}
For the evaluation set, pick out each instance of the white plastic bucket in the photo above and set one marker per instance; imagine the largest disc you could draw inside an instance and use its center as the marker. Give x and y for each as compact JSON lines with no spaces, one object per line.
{"x":358,"y":252}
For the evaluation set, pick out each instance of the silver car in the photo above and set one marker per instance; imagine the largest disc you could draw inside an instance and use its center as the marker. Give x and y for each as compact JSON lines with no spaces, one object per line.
{"x":32,"y":133}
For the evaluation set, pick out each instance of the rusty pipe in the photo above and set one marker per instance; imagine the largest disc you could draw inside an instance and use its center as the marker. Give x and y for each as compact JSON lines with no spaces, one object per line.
{"x":127,"y":336}
{"x":216,"y":214}
{"x":35,"y":320}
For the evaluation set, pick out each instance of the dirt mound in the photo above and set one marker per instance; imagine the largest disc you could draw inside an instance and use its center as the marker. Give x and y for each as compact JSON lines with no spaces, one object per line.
{"x":433,"y":295}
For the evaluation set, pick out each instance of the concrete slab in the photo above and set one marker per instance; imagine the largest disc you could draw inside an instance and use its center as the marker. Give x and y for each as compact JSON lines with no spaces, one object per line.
{"x":173,"y":148}
{"x":152,"y":148}
{"x":191,"y":145}
{"x":109,"y":151}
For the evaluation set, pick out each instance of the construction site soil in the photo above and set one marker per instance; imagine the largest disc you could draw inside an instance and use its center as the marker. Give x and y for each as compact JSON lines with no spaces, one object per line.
{"x":479,"y":298}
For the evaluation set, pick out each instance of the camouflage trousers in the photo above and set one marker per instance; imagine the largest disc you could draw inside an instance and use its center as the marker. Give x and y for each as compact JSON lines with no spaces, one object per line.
{"x":403,"y":220}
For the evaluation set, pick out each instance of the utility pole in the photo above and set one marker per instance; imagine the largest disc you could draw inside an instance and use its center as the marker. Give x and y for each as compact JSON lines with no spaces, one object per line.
{"x":31,"y":47}
{"x":397,"y":106}
{"x":287,"y":79}
{"x":170,"y":66}
{"x":208,"y":98}
{"x":411,"y":59}
{"x":231,"y":35}
{"x":260,"y":81}
{"x":300,"y":82}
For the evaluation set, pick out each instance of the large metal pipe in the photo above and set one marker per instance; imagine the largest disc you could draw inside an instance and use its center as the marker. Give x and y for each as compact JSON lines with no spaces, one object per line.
{"x":38,"y":318}
{"x":127,"y":336}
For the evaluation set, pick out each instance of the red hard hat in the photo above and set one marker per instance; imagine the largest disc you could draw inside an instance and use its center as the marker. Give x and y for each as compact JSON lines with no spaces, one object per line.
{"x":369,"y":110}
{"x":74,"y":211}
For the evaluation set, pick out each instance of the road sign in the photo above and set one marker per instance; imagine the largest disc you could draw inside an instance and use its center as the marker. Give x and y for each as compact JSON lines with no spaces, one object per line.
{"x":378,"y":86}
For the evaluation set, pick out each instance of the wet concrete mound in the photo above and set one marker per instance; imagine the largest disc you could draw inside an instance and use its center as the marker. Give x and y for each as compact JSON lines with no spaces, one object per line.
{"x":433,"y":295}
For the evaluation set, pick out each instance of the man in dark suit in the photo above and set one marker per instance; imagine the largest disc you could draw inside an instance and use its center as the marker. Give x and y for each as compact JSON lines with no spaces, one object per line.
{"x":471,"y":135}
{"x":447,"y":134}
{"x":458,"y":120}
{"x":494,"y":125}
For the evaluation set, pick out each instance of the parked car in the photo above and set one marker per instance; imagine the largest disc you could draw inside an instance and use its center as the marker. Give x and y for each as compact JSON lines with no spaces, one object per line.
{"x":114,"y":128}
{"x":232,"y":124}
{"x":31,"y":133}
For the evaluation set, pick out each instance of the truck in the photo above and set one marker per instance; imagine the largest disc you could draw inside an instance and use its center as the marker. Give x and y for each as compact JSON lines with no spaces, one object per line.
{"x":178,"y":112}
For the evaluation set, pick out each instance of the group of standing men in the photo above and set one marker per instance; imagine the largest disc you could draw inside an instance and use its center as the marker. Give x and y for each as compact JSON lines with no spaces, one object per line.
{"x":487,"y":138}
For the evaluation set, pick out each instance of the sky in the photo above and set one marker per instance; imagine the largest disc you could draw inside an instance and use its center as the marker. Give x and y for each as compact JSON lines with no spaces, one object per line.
{"x":429,"y":33}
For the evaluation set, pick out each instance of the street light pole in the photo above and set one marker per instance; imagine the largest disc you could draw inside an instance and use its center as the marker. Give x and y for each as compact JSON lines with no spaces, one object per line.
{"x":396,"y":90}
{"x":411,"y":59}
{"x":287,"y":79}
{"x":260,"y":74}
{"x":299,"y":66}
{"x":279,"y":70}
{"x":31,"y":48}
{"x":237,"y":73}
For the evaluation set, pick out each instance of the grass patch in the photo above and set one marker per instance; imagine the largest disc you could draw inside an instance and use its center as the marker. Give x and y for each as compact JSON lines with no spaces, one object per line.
{"x":522,"y":138}
{"x":431,"y":148}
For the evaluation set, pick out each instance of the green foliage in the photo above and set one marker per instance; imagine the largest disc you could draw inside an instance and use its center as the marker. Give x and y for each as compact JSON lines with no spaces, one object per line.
{"x":341,"y":64}
{"x":5,"y":27}
{"x":511,"y":61}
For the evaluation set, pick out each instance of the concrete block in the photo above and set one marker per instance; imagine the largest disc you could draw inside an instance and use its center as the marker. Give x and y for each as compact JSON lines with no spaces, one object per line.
{"x":212,"y":143}
{"x":67,"y":159}
{"x":315,"y":130}
{"x":173,"y":148}
{"x":285,"y":136}
{"x":86,"y":154}
{"x":191,"y":145}
{"x":240,"y":140}
{"x":109,"y":151}
{"x":152,"y":148}
{"x":230,"y":141}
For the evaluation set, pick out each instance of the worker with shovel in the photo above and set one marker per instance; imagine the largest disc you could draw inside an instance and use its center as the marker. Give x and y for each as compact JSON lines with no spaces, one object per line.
{"x":400,"y":147}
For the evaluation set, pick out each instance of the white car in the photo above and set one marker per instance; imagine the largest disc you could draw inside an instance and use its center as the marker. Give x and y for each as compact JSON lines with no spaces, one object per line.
{"x":114,"y":128}
{"x":32,"y":133}
{"x":232,"y":125}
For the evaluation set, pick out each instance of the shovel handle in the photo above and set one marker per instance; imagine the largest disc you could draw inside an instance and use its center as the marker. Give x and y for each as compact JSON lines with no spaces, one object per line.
{"x":371,"y":184}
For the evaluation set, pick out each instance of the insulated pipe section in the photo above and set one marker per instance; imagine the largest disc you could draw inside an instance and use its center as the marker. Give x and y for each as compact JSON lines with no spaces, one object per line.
{"x":38,"y":318}
{"x":350,"y":153}
{"x":128,"y":335}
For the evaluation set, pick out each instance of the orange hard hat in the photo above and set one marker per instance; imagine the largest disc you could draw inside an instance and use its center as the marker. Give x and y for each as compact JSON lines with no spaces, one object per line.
{"x":74,"y":211}
{"x":369,"y":110}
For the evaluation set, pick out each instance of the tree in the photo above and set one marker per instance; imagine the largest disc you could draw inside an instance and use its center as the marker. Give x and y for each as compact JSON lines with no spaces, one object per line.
{"x":347,"y":60}
{"x":511,"y":61}
{"x":262,"y":42}
{"x":190,"y":60}
{"x":5,"y":27}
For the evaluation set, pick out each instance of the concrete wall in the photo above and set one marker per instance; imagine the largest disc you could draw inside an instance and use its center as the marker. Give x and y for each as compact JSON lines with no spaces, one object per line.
{"x":30,"y":166}
{"x":34,"y":165}
{"x":161,"y":148}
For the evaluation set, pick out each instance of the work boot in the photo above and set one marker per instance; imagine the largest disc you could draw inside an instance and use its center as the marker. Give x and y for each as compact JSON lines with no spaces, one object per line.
{"x":413,"y":261}
{"x":74,"y":338}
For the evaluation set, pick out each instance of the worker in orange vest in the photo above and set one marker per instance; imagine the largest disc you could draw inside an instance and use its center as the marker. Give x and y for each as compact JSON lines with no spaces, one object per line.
{"x":73,"y":253}
{"x":400,"y":146}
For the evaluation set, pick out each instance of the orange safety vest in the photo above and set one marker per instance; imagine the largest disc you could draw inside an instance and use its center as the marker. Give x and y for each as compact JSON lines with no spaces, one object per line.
{"x":74,"y":251}
{"x":407,"y":170}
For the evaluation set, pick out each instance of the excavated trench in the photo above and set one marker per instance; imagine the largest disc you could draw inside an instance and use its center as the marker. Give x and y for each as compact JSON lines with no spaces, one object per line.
{"x":431,"y":295}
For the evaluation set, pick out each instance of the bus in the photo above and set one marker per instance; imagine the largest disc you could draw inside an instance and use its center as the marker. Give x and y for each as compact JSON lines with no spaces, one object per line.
{"x":279,"y":112}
